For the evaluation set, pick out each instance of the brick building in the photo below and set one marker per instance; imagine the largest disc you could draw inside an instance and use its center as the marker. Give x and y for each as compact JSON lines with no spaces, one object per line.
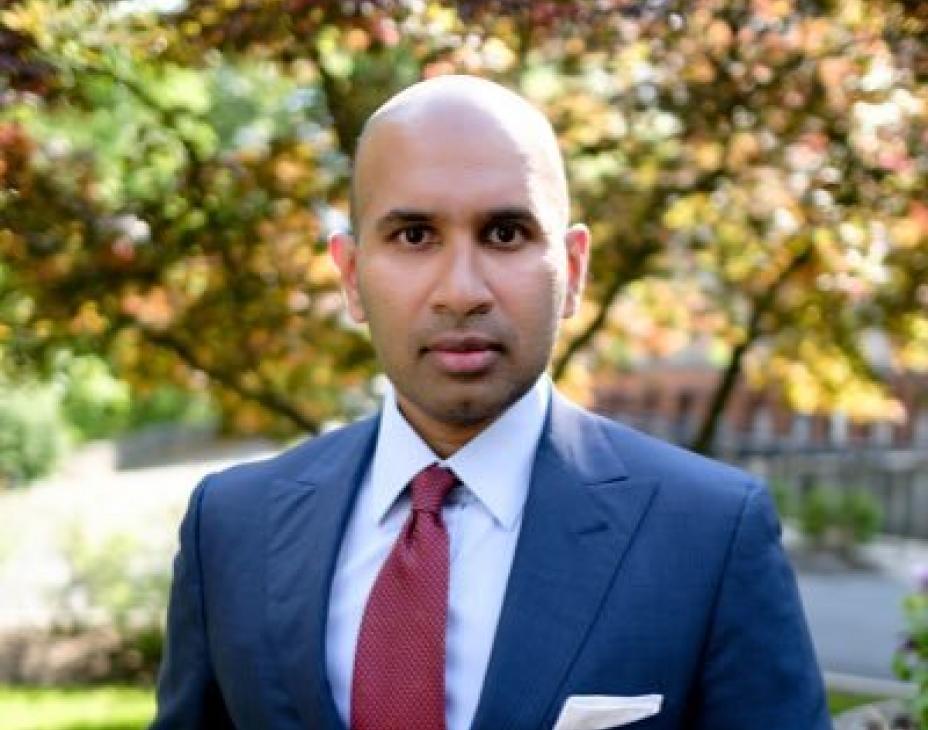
{"x":794,"y":450}
{"x":671,"y":401}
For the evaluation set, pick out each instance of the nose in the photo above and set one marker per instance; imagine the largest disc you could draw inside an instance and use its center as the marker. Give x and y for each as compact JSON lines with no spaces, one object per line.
{"x":462,"y":288}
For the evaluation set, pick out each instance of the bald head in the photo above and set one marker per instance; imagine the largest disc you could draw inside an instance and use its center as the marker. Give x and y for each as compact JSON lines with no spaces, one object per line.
{"x":461,"y":107}
{"x":461,"y":261}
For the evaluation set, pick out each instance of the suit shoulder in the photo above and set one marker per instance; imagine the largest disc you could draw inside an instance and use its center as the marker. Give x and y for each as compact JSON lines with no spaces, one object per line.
{"x":674,"y":466}
{"x":241,"y":483}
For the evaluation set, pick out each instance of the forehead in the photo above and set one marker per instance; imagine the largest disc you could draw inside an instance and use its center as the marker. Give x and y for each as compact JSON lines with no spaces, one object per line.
{"x":454,"y":164}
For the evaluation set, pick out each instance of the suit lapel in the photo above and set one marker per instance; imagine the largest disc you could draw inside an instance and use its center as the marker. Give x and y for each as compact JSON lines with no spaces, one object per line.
{"x":307,"y":516}
{"x":580,"y":517}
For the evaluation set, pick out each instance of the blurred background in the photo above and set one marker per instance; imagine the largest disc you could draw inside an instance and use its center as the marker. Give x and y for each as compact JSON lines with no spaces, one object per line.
{"x":754,"y":175}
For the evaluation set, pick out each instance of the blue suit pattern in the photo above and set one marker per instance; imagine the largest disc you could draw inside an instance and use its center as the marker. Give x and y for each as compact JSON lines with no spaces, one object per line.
{"x":640,"y":568}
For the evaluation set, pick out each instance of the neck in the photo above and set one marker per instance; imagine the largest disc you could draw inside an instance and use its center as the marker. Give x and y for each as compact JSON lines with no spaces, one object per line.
{"x":443,"y":438}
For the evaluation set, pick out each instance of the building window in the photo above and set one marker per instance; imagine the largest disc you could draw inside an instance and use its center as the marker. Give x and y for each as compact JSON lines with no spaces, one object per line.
{"x":881,"y":433}
{"x":801,"y":430}
{"x":920,"y":430}
{"x":838,"y":429}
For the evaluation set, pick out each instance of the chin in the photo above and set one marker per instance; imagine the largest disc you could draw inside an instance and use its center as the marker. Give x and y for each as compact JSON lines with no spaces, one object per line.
{"x":468,"y":413}
{"x":470,"y":408}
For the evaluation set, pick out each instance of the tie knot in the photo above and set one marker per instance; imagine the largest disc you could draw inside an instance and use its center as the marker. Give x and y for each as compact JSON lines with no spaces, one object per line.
{"x":430,"y":487}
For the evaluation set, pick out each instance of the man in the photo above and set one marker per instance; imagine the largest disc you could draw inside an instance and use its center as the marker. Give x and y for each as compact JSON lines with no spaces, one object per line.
{"x":481,"y":550}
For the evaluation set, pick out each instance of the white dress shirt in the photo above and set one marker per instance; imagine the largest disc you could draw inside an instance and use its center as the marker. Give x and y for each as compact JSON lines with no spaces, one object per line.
{"x":482,"y":516}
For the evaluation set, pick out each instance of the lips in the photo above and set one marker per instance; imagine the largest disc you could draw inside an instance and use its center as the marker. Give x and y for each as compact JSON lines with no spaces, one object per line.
{"x":463,"y":354}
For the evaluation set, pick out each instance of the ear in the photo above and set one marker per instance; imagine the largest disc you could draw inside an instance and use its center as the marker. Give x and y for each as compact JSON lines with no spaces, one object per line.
{"x":344,"y":252}
{"x":577,"y":240}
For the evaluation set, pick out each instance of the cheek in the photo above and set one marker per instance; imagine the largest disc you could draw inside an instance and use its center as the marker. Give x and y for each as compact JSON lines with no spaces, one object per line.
{"x":389,"y":298}
{"x":532,"y":293}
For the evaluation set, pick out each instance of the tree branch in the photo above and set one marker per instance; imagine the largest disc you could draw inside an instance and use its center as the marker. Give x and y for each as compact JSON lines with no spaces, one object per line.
{"x":705,"y":438}
{"x":345,"y":132}
{"x":266,"y":397}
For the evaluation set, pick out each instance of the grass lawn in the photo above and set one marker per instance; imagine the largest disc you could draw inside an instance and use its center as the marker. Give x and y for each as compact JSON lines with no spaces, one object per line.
{"x":132,"y":708}
{"x":77,"y":708}
{"x":838,"y":702}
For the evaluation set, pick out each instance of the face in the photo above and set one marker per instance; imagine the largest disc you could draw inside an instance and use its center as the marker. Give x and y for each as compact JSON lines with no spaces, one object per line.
{"x":462,"y":268}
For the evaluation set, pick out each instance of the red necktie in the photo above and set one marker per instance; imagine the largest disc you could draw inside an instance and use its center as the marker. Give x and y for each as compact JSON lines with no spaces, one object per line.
{"x":399,"y":665}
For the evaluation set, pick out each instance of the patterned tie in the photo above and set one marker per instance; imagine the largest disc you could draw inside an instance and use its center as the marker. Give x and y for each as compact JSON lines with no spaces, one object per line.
{"x":399,"y":665}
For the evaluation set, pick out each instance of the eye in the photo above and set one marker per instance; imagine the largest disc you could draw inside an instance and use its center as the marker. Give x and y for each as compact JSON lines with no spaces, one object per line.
{"x":506,"y":233}
{"x":414,"y":236}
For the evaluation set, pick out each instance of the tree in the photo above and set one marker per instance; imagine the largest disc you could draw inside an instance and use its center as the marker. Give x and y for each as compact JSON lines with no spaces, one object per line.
{"x":166,"y":181}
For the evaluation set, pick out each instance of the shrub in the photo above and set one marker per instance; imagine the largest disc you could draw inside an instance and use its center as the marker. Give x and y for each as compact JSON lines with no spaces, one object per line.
{"x":815,"y":514}
{"x":170,"y":404}
{"x":115,"y":580}
{"x":839,"y":518}
{"x":116,"y":598}
{"x":33,"y":432}
{"x":95,"y":402}
{"x":911,"y":660}
{"x":83,"y":401}
{"x":859,"y":515}
{"x":783,"y":499}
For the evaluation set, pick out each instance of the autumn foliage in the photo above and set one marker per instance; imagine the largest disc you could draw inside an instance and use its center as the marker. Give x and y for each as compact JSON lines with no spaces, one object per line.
{"x":754,"y":174}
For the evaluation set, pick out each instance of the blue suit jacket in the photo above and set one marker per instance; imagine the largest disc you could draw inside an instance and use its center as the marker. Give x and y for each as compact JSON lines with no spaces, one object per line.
{"x":640,"y":568}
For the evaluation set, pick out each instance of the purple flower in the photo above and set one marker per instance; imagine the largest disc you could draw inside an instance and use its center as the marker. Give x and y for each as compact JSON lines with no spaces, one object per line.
{"x":921,"y":578}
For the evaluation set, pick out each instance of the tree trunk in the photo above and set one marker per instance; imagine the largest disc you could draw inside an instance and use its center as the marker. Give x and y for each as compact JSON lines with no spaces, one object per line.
{"x":705,"y":438}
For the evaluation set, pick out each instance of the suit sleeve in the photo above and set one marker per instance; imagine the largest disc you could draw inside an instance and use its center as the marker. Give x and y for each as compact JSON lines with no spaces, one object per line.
{"x":760,"y":669}
{"x":187,"y":694}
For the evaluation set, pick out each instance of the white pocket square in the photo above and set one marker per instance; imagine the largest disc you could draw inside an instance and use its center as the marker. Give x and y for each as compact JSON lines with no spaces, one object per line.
{"x":598,"y":712}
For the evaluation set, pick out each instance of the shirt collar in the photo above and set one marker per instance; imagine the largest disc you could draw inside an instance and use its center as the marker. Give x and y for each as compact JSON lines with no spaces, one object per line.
{"x":495,"y":465}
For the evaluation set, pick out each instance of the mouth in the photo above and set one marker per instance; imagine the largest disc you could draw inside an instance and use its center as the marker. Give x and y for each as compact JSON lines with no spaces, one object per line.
{"x":463,"y":354}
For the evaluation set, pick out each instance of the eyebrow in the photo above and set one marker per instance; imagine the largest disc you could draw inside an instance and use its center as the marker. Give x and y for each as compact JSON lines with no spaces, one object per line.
{"x":516,"y":214}
{"x":401,"y":216}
